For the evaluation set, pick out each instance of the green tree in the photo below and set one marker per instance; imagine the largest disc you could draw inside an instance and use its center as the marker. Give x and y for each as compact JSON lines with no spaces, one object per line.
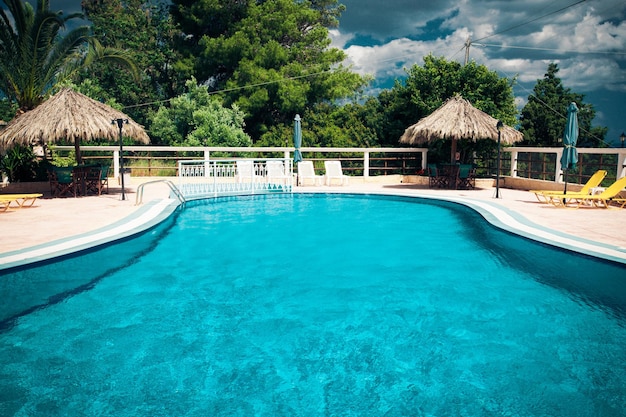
{"x":7,"y":109}
{"x":35,"y":54}
{"x":198,"y":119}
{"x":326,"y":125}
{"x":271,"y":58}
{"x":145,"y":29}
{"x":543,"y":117}
{"x":427,"y":87}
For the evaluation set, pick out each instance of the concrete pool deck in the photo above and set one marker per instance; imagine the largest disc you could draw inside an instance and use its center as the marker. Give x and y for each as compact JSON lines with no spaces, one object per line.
{"x":51,"y":220}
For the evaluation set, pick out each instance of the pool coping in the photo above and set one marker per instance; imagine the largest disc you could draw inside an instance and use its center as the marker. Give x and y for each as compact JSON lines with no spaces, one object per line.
{"x":146,"y":217}
{"x":513,"y":222}
{"x":510,"y":221}
{"x":156,"y":211}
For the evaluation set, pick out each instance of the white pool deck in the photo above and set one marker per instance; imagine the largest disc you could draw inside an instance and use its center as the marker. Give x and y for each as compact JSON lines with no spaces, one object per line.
{"x":59,"y":226}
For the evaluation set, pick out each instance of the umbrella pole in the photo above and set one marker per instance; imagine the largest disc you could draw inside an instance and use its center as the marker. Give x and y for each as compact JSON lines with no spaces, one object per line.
{"x":79,"y":157}
{"x":453,"y":152}
{"x":120,"y":123}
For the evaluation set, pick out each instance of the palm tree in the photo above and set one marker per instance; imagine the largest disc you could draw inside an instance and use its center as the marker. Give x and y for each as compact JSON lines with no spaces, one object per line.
{"x":35,"y":56}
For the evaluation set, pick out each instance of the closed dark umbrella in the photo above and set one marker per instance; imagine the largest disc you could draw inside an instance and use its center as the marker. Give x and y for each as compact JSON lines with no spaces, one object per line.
{"x":297,"y":139}
{"x":570,"y":137}
{"x":297,"y":142}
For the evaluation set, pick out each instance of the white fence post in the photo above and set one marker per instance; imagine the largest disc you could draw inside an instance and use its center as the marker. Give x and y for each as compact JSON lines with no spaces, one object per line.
{"x":558,"y":175}
{"x":621,"y":165}
{"x":366,"y":164}
{"x":207,"y":164}
{"x":513,"y":164}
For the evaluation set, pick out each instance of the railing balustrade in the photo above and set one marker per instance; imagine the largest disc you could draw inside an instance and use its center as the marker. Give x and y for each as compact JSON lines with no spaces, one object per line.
{"x":202,"y":178}
{"x":545,"y":163}
{"x":524,"y":162}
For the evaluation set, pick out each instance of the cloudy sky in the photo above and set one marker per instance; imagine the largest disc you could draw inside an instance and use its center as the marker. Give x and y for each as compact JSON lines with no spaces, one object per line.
{"x":515,"y":38}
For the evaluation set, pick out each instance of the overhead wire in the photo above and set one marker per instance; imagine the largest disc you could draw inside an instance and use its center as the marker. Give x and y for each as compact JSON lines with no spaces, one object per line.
{"x":530,"y":21}
{"x":530,"y":48}
{"x":474,"y":42}
{"x":226,"y":90}
{"x":531,"y":93}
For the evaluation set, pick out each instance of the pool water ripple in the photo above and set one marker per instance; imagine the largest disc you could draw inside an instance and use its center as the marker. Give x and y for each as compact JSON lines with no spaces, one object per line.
{"x":328,"y":305}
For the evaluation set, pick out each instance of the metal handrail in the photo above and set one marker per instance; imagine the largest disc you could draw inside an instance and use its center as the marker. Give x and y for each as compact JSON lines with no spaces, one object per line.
{"x":175,"y":190}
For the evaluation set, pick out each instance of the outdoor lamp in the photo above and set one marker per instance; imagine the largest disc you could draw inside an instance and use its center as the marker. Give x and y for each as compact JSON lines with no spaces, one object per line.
{"x":622,"y":138}
{"x":499,"y":126}
{"x":120,"y":123}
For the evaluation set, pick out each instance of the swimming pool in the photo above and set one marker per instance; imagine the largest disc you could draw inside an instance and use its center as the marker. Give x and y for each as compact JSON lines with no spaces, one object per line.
{"x":316,"y":305}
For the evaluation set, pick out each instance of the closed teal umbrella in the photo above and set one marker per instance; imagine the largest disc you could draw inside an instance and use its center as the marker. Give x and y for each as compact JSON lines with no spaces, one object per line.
{"x":297,"y":140}
{"x":570,"y":136}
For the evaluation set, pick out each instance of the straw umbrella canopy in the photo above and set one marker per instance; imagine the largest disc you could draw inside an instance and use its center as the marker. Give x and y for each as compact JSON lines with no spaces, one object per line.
{"x":69,"y":115}
{"x":458,"y":119}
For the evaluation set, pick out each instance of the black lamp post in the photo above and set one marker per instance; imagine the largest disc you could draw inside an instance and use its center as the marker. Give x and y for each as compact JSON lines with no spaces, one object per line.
{"x":622,"y":138}
{"x":499,"y":127}
{"x":120,"y":123}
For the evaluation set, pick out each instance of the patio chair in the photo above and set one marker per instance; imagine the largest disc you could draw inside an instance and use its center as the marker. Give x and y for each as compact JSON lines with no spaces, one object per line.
{"x":466,"y":178}
{"x":96,"y":178}
{"x":22,"y":200}
{"x":594,"y":181}
{"x":104,"y":178}
{"x":603,"y":199}
{"x":334,"y":171}
{"x":246,"y":171}
{"x":306,"y":171}
{"x":434,"y":176}
{"x":448,"y":175}
{"x":62,"y":182}
{"x":276,"y":172}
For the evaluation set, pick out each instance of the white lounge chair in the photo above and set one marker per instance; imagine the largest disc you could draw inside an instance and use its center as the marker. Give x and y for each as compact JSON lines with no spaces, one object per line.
{"x":246,"y":171}
{"x":276,"y":172}
{"x":306,"y":171}
{"x":334,"y":171}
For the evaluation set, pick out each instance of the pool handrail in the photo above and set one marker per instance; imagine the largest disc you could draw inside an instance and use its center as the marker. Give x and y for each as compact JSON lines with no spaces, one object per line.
{"x":175,"y":190}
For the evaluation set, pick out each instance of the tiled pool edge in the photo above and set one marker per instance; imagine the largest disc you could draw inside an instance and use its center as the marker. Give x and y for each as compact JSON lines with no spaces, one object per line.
{"x":513,"y":222}
{"x":144,"y":218}
{"x":155,"y":212}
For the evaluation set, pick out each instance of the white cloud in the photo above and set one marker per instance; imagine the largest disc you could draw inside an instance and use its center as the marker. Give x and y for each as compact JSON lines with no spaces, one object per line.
{"x":527,"y":49}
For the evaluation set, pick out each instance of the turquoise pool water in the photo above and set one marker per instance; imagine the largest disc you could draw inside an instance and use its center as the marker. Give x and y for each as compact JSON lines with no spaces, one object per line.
{"x":316,"y":306}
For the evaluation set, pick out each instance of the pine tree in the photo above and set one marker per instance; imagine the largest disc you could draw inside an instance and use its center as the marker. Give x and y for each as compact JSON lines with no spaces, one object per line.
{"x":543,"y":117}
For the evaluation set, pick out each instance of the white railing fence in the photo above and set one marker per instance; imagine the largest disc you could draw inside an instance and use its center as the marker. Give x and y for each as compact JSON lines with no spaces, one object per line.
{"x":202,"y":178}
{"x":356,"y":161}
{"x":590,"y":160}
{"x":155,"y":159}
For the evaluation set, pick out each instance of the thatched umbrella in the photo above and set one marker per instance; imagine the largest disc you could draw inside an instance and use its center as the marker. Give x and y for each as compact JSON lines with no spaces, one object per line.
{"x":69,"y":115}
{"x":458,"y":119}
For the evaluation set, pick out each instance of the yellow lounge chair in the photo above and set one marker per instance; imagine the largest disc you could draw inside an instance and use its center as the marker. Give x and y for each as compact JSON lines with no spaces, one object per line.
{"x":597,"y":200}
{"x":22,"y":200}
{"x":594,"y":181}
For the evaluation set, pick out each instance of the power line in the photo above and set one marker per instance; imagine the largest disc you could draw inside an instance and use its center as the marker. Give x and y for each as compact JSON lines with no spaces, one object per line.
{"x":555,"y":111}
{"x":226,"y":90}
{"x":530,"y":48}
{"x":530,"y":21}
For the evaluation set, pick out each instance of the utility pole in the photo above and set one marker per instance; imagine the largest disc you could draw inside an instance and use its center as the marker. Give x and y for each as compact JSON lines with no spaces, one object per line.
{"x":468,"y":42}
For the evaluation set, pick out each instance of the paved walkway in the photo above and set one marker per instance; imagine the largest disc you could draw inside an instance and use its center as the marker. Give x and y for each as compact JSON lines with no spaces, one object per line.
{"x":61,"y":218}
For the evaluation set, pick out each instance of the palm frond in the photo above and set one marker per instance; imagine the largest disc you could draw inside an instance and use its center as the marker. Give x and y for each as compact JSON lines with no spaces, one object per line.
{"x":117,"y":56}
